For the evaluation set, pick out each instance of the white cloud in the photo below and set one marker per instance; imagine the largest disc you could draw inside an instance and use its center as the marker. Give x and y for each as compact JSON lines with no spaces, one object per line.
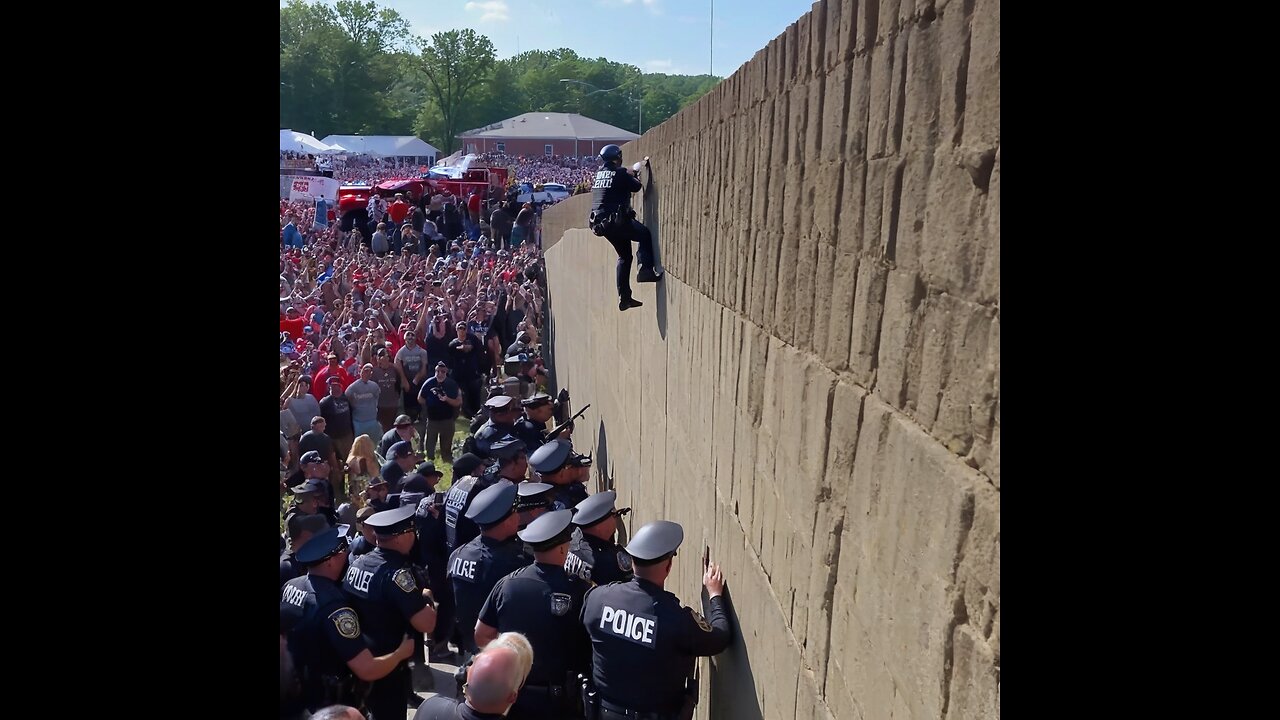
{"x":491,"y":9}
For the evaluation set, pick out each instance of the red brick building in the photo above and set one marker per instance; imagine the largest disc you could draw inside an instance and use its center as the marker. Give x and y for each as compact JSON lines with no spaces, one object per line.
{"x":544,"y":133}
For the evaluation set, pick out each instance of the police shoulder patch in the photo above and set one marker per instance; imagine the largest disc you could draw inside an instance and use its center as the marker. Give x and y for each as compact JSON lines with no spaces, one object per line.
{"x":624,"y":561}
{"x":347,"y":623}
{"x":404,"y":580}
{"x":702,"y":623}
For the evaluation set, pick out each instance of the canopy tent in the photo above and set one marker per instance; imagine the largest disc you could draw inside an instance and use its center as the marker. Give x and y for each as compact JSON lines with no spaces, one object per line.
{"x":301,"y":142}
{"x":384,"y":145}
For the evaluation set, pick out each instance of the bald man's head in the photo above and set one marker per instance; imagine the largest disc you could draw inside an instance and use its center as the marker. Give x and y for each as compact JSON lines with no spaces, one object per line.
{"x":494,"y":680}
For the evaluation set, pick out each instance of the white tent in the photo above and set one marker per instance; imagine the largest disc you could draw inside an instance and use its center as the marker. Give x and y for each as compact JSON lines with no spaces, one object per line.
{"x":385,"y":145}
{"x":300,"y":142}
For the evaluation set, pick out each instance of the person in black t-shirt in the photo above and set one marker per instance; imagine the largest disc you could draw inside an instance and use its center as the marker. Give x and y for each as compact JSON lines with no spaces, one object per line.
{"x":466,"y":359}
{"x":441,"y":398}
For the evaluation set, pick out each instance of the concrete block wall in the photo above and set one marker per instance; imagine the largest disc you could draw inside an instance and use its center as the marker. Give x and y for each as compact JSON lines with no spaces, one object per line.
{"x":813,"y":390}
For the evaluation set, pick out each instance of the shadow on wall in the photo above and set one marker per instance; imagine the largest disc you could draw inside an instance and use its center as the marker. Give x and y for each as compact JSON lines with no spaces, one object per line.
{"x":731,"y":689}
{"x":548,"y":339}
{"x":605,"y":478}
{"x":651,"y":193}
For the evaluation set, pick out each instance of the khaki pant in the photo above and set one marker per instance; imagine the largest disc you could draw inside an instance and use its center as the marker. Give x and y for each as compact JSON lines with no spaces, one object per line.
{"x":442,"y":430}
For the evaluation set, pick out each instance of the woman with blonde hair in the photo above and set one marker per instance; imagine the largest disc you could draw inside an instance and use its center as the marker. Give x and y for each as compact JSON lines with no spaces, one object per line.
{"x":362,"y":465}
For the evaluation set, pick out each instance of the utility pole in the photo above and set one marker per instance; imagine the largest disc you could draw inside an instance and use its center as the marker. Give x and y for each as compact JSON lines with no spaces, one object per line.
{"x":712,"y":69}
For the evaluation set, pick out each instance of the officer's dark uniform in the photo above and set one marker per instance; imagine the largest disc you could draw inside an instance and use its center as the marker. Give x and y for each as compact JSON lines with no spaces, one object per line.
{"x":590,"y":558}
{"x":322,"y":628}
{"x":360,"y":546}
{"x":384,"y":590}
{"x":491,"y":432}
{"x":543,"y":603}
{"x":446,"y":708}
{"x":534,"y":434}
{"x":477,"y":566}
{"x":644,"y":643}
{"x":459,"y":528}
{"x":550,"y":458}
{"x":612,"y":217}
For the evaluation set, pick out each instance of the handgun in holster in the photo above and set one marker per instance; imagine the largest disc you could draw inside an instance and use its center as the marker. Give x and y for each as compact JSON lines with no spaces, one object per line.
{"x":690,"y":698}
{"x":590,"y":700}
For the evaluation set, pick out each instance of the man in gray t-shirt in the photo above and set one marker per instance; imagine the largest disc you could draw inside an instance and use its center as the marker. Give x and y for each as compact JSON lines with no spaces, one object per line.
{"x":303,"y":405}
{"x":363,"y":395}
{"x":412,"y":362}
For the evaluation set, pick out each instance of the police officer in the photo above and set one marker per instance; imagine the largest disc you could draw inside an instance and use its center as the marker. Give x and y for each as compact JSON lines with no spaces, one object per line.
{"x":324,"y":631}
{"x":543,"y":602}
{"x":477,"y":566}
{"x":532,"y":426}
{"x":401,"y":460}
{"x":644,"y":644}
{"x":377,"y":494}
{"x":384,"y":590}
{"x":558,"y":464}
{"x":593,"y":555}
{"x":504,"y":411}
{"x":432,"y":550}
{"x":309,"y":498}
{"x":300,"y":528}
{"x":314,"y":467}
{"x":532,"y":501}
{"x":510,"y":463}
{"x":365,"y":542}
{"x":613,"y":218}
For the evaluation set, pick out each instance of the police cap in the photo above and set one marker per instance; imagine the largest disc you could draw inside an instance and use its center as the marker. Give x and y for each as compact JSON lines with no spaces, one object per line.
{"x":533,"y":495}
{"x":493,"y":504}
{"x":499,"y":402}
{"x":506,"y":448}
{"x":549,"y":530}
{"x":309,"y":457}
{"x":655,"y":541}
{"x":321,"y":547}
{"x":415,"y":483}
{"x":392,"y":522}
{"x":400,"y":450}
{"x":428,"y":468}
{"x":551,"y":457}
{"x":537,"y":400}
{"x":466,"y":465}
{"x":314,"y":485}
{"x":595,"y":508}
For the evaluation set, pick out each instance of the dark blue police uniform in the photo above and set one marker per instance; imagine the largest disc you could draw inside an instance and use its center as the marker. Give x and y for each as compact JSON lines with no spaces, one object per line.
{"x":384,"y":589}
{"x":477,"y":566}
{"x":612,"y":217}
{"x":591,"y":558}
{"x":644,"y":643}
{"x":543,"y":602}
{"x":323,"y":629}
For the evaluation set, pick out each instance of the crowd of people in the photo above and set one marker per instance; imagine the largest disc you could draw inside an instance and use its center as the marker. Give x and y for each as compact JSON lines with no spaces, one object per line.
{"x":572,"y":172}
{"x":411,"y":333}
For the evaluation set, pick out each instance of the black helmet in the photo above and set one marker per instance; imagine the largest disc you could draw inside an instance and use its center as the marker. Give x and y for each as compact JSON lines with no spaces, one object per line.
{"x":611,"y":153}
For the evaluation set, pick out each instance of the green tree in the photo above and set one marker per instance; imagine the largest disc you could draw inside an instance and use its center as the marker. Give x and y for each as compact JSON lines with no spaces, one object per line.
{"x":455,"y":63}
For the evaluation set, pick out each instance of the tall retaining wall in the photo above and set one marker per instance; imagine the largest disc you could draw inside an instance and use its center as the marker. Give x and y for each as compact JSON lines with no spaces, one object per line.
{"x":813,"y":390}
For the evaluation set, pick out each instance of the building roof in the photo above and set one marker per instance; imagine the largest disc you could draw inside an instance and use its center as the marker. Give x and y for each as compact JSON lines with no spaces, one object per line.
{"x":388,"y":145}
{"x":550,"y":126}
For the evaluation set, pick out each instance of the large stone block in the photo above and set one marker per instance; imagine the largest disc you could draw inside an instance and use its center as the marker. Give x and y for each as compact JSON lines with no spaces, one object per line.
{"x":975,"y":679}
{"x":910,"y":506}
{"x":982,"y":99}
{"x":869,"y":308}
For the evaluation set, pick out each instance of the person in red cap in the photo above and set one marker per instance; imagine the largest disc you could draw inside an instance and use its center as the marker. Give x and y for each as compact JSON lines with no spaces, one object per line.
{"x":320,"y":383}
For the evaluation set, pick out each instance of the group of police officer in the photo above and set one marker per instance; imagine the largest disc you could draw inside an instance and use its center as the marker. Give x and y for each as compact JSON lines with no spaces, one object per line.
{"x":498,"y":553}
{"x":498,"y":560}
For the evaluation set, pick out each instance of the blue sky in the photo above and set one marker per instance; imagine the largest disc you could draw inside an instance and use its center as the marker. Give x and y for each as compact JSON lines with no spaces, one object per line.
{"x":668,"y":36}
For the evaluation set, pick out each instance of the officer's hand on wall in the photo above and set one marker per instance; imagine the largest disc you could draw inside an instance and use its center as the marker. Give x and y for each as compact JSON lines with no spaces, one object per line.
{"x":713,"y":580}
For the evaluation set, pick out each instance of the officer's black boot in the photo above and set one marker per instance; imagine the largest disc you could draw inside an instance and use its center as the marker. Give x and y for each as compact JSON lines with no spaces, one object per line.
{"x":628,"y":303}
{"x":648,"y":275}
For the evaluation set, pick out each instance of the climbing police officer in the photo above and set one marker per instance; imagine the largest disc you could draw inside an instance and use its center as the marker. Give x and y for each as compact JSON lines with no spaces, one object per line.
{"x":613,"y":218}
